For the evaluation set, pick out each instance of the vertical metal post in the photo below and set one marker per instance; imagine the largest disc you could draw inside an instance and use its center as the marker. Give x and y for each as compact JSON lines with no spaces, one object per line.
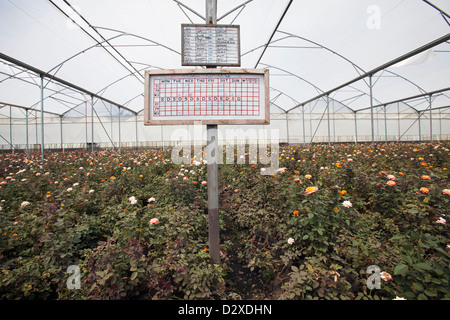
{"x":92,"y":125}
{"x":371,"y":110}
{"x":334,"y":122}
{"x":10,"y":130}
{"x":120,"y":140}
{"x":112,"y":129}
{"x":328,"y":118}
{"x":136,"y":126}
{"x":385,"y":125}
{"x":420,"y":127}
{"x":86,"y":123}
{"x":398,"y":120}
{"x":431,"y":121}
{"x":440,"y":125}
{"x":211,"y":11}
{"x":303,"y":119}
{"x":377,"y":132}
{"x":42,"y":117}
{"x":287,"y":128}
{"x":356,"y":129}
{"x":61,"y":132}
{"x":213,"y":170}
{"x":36,"y":127}
{"x":213,"y":193}
{"x":26,"y":129}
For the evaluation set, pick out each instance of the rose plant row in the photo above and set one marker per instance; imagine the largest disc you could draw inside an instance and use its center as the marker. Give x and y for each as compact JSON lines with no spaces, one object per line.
{"x":136,"y":225}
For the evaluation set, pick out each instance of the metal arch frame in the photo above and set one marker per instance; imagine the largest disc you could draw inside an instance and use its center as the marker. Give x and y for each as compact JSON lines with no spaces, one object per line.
{"x":303,"y":115}
{"x":283,"y":93}
{"x":359,"y":70}
{"x":95,"y":40}
{"x":326,"y":109}
{"x":32,"y":77}
{"x":180,"y":5}
{"x":444,"y":14}
{"x":58,"y":67}
{"x":44,"y":74}
{"x":122,"y":33}
{"x":291,"y":35}
{"x":319,"y":90}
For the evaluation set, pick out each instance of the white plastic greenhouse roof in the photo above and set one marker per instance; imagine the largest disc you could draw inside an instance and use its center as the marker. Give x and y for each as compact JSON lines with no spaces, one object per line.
{"x":313,"y":49}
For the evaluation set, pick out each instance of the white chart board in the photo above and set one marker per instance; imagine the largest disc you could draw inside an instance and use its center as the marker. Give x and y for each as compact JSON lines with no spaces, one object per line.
{"x":210,"y":45}
{"x":212,"y":96}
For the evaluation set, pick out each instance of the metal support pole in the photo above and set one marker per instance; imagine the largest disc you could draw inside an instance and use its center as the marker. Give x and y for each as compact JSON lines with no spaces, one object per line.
{"x":26,"y":129}
{"x":10,"y":130}
{"x":334,"y":122}
{"x":371,"y":110}
{"x":420,"y":127}
{"x":398,"y":120}
{"x":112,"y":129}
{"x":120,"y":140}
{"x":213,"y":170}
{"x":287,"y":128}
{"x":213,"y":193}
{"x":385,"y":125}
{"x":136,"y":126}
{"x":36,"y":128}
{"x":328,"y":118}
{"x":86,"y":123}
{"x":211,"y":11}
{"x":42,"y":117}
{"x":356,"y":129}
{"x":303,"y":119}
{"x":377,"y":132}
{"x":431,"y":121}
{"x":61,"y":132}
{"x":92,"y":125}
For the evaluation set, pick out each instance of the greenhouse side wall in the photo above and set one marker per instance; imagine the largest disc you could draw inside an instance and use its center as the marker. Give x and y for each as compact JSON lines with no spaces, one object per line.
{"x":110,"y":133}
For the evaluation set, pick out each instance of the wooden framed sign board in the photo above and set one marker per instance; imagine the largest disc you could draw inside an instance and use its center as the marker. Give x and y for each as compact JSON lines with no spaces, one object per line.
{"x":210,"y":45}
{"x":206,"y":96}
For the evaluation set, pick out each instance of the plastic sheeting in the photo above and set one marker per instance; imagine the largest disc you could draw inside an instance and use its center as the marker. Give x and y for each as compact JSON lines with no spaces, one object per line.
{"x":104,"y":47}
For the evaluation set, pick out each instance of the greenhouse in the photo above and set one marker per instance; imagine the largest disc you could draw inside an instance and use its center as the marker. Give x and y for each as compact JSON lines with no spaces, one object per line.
{"x":72,"y":73}
{"x":114,"y":114}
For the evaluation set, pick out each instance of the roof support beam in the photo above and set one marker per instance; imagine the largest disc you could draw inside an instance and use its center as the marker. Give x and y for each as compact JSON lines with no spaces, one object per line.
{"x":381,"y":67}
{"x":274,"y":31}
{"x":61,"y":81}
{"x":408,"y":98}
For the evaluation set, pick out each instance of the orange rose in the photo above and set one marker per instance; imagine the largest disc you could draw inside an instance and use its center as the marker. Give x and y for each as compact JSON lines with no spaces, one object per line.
{"x":424,"y":190}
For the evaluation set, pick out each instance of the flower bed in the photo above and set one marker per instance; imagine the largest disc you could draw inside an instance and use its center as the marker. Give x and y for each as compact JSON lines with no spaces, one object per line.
{"x":137,"y":227}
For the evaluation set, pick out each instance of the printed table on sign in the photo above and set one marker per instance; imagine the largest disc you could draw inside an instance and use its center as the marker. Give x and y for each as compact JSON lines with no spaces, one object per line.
{"x":207,"y":96}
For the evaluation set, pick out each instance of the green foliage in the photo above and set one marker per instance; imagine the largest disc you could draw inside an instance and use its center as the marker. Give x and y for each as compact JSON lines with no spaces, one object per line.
{"x":136,"y":224}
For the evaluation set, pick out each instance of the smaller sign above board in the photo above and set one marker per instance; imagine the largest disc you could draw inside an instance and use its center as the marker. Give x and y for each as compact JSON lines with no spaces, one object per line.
{"x":211,"y":96}
{"x":210,"y":45}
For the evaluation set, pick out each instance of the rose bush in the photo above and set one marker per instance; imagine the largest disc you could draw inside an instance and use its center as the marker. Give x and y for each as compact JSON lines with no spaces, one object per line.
{"x":136,"y":224}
